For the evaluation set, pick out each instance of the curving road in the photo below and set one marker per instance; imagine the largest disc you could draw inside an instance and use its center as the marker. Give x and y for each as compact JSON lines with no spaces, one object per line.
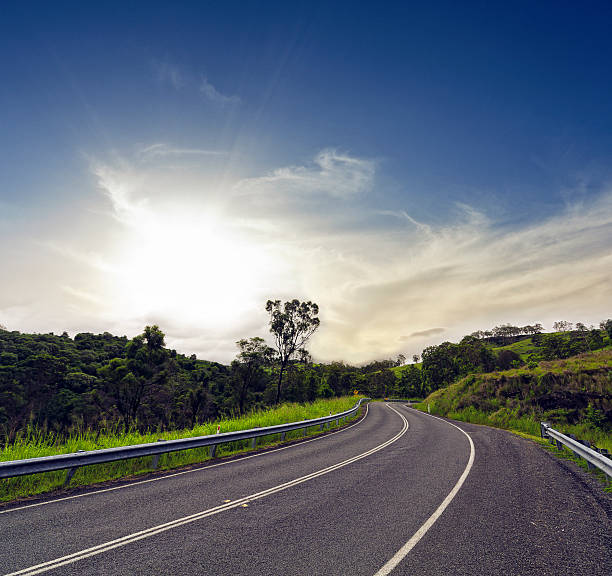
{"x":400,"y":492}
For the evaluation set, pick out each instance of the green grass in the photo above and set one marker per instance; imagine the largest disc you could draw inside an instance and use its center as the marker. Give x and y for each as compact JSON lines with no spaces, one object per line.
{"x":397,"y":370}
{"x":33,"y":444}
{"x":523,"y":348}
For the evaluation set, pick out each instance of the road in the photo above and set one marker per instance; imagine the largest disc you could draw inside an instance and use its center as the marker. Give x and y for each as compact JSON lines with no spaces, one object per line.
{"x":400,"y":492}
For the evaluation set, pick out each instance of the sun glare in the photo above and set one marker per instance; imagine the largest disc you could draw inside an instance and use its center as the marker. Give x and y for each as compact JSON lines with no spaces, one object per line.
{"x":191,"y":267}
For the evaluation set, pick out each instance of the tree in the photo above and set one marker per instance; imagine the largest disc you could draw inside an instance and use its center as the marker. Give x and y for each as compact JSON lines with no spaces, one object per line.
{"x":247,"y":369}
{"x":415,"y":358}
{"x":292,"y":324}
{"x":401,"y":360}
{"x":562,"y":326}
{"x":124,"y":388}
{"x":607,"y":326}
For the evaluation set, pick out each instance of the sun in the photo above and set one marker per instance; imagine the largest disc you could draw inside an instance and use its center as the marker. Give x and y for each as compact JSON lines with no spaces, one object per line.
{"x":190,"y":264}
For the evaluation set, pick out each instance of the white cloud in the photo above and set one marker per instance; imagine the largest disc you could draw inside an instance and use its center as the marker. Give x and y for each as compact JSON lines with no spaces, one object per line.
{"x":215,"y":96}
{"x":331,"y":173}
{"x":202,"y":260}
{"x":168,"y":73}
{"x":162,"y":150}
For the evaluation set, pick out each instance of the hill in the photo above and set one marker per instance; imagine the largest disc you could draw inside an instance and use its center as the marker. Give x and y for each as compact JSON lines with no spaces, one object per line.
{"x":574,"y":394}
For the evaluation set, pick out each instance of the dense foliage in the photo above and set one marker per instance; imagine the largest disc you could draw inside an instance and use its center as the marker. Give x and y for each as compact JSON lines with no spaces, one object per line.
{"x":100,"y":381}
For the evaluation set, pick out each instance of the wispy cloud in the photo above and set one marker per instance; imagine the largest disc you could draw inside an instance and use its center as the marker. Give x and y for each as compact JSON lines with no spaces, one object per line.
{"x":204,"y":265}
{"x":169,"y":74}
{"x":331,"y":173}
{"x":424,"y":333}
{"x":161,"y":150}
{"x":215,"y":96}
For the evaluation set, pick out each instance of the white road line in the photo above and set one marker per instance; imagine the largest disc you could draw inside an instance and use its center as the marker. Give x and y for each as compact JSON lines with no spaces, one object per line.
{"x":406,"y":548}
{"x":191,"y":471}
{"x":105,"y":547}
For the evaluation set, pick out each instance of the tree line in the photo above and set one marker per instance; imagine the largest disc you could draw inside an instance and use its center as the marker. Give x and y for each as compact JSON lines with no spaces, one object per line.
{"x":59,"y":384}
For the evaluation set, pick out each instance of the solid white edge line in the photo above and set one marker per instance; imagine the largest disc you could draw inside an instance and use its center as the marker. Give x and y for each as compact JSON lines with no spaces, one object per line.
{"x":154,"y":530}
{"x":172,"y":475}
{"x":406,"y":548}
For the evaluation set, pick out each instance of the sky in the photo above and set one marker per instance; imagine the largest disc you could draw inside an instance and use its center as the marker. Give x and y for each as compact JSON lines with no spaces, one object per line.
{"x":420,"y":170}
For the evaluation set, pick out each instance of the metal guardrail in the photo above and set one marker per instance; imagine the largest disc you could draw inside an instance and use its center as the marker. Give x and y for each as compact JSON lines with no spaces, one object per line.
{"x":600,"y":459}
{"x":85,"y":458}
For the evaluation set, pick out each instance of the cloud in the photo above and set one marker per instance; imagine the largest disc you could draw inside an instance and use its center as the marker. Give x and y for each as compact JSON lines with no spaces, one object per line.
{"x":424,"y":333}
{"x":215,"y":96}
{"x":201,"y":259}
{"x":331,"y":173}
{"x":161,"y":150}
{"x":170,"y":74}
{"x":167,"y":73}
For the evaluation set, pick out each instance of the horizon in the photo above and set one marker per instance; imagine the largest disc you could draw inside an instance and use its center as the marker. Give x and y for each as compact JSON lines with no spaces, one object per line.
{"x":419,"y":171}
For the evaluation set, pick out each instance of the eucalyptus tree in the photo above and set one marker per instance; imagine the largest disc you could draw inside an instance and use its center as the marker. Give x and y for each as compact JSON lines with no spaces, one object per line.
{"x":292,"y":324}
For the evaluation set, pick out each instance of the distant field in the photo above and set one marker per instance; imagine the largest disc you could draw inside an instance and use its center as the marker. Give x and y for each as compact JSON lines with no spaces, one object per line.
{"x":523,"y":348}
{"x":33,"y":444}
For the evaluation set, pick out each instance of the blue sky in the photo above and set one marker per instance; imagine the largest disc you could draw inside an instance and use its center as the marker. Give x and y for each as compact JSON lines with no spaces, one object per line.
{"x":421,"y":170}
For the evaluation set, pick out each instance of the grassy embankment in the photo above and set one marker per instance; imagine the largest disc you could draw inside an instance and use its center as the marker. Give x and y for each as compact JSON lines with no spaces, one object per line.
{"x":32,"y":444}
{"x":574,"y":395}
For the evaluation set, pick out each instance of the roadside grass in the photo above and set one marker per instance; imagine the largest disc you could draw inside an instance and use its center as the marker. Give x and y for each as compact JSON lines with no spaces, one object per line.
{"x":529,"y":427}
{"x":33,"y":444}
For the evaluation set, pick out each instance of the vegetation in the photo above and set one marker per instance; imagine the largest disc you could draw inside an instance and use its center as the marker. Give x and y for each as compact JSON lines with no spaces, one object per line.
{"x":55,"y":389}
{"x":574,"y":394}
{"x":32,"y":443}
{"x":292,"y":325}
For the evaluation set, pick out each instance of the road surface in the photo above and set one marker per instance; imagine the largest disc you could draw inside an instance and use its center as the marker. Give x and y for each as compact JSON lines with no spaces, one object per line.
{"x":400,"y":492}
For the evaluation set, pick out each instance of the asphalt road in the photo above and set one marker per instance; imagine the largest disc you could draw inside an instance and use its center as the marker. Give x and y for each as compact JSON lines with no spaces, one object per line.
{"x":400,"y":492}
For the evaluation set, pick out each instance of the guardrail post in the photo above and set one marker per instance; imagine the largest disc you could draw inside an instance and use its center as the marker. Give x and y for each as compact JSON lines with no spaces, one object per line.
{"x":321,"y":427}
{"x":588,"y":445}
{"x":559,"y":445}
{"x":212,"y":450}
{"x":254,"y":443}
{"x":69,"y":475}
{"x":155,"y":459}
{"x":71,"y":472}
{"x":283,"y":436}
{"x":304,"y":431}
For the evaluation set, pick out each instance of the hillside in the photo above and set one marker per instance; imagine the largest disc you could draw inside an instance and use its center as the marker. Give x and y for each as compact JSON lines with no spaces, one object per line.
{"x":576,"y":390}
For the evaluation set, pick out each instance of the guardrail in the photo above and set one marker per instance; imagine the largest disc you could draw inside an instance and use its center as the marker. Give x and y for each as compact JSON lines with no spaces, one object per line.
{"x":75,"y":460}
{"x":594,"y":456}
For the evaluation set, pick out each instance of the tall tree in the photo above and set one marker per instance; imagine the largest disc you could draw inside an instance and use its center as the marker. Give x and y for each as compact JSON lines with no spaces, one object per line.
{"x":292,"y":324}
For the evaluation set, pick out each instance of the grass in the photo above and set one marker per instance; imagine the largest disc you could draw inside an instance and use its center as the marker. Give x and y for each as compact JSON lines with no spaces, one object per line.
{"x":397,"y":370}
{"x":33,"y":444}
{"x":523,"y":348}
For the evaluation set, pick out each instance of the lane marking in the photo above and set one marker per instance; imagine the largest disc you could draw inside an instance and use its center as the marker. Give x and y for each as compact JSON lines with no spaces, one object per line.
{"x":147,"y":533}
{"x":406,"y":548}
{"x":206,"y":467}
